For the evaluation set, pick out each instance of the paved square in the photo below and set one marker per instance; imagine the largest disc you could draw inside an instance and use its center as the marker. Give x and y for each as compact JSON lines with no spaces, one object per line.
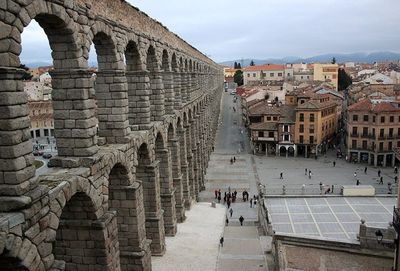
{"x":329,"y":217}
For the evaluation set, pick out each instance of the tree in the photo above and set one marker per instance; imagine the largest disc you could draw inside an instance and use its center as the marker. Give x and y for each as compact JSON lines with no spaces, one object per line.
{"x":238,"y":77}
{"x":333,"y":60}
{"x":239,"y":66}
{"x":344,"y":80}
{"x":252,"y":63}
{"x":27,"y":75}
{"x":235,"y":65}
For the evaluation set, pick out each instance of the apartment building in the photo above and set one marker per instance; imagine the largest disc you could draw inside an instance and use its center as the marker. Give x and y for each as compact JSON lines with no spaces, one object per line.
{"x":268,"y":72}
{"x":326,"y":73}
{"x":373,"y":131}
{"x":316,"y":123}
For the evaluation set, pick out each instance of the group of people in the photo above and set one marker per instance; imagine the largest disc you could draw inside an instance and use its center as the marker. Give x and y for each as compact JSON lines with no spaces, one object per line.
{"x":229,"y":197}
{"x":233,"y":160}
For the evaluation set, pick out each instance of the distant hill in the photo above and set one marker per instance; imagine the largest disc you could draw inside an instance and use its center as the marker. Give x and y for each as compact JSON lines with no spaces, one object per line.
{"x":340,"y":58}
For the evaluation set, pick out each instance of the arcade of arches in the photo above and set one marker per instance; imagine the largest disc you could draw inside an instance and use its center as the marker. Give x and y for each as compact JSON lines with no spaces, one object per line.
{"x":133,"y":142}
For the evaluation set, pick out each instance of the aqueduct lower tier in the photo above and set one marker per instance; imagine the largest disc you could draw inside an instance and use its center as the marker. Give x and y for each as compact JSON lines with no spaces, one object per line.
{"x":133,"y":141}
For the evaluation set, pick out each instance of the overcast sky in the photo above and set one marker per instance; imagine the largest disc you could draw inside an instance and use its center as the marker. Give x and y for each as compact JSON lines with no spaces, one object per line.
{"x":260,"y":29}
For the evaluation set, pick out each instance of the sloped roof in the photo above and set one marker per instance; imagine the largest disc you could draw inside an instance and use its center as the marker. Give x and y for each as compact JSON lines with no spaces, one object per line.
{"x":272,"y":126}
{"x":314,"y":104}
{"x":262,"y":108}
{"x":266,"y":67}
{"x":288,"y":114}
{"x":363,"y":105}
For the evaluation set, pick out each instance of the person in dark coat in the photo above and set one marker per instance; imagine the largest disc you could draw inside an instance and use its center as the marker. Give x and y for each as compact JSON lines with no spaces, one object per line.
{"x":241,"y":219}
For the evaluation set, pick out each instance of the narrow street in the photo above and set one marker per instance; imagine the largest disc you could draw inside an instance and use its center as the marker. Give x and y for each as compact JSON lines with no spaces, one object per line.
{"x":243,"y":248}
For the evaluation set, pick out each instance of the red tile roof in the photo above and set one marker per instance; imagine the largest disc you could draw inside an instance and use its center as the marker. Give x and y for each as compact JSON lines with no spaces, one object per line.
{"x":367,"y":105}
{"x":266,"y":67}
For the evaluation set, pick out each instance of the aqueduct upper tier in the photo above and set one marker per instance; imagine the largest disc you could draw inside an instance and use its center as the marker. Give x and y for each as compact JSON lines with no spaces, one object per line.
{"x":133,"y":139}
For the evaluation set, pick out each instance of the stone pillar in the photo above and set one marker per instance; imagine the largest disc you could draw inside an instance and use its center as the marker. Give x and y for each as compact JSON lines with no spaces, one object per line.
{"x":134,"y":248}
{"x":182,"y":133}
{"x":157,"y":105}
{"x":152,"y":205}
{"x":139,"y":99}
{"x":168,"y":80}
{"x":190,"y":159}
{"x":177,"y":177}
{"x":98,"y":247}
{"x":167,"y":191}
{"x":177,"y":90}
{"x":188,"y":87}
{"x":74,"y":112}
{"x":16,"y":159}
{"x":193,"y":90}
{"x":184,"y":87}
{"x":112,"y":105}
{"x":194,"y":137}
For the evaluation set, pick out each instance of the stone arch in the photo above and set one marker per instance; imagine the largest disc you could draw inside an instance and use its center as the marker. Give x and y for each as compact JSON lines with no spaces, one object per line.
{"x":110,"y":83}
{"x":80,"y":222}
{"x":18,"y":254}
{"x":157,"y":103}
{"x":147,"y":174}
{"x":282,"y":151}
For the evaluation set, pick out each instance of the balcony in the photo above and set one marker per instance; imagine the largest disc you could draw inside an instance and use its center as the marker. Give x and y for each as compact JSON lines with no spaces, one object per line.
{"x":365,"y":135}
{"x":354,"y":134}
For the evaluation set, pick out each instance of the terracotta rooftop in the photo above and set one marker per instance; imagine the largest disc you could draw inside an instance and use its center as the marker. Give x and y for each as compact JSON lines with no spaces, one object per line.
{"x":266,"y":67}
{"x":314,"y":104}
{"x":264,"y":126}
{"x":262,"y":108}
{"x":367,"y":105}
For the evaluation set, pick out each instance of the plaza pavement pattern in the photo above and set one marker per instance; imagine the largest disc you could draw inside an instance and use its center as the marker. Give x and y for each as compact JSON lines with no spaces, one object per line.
{"x":329,"y":217}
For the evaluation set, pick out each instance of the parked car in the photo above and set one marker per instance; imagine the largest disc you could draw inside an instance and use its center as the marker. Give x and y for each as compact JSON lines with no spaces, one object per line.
{"x":47,"y":155}
{"x":37,"y":153}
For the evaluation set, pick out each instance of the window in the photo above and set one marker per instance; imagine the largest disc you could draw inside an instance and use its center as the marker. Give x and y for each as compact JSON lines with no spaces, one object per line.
{"x":373,"y":119}
{"x":398,"y":131}
{"x":311,"y":139}
{"x":381,"y":132}
{"x":248,"y":75}
{"x":286,"y":137}
{"x":380,"y":146}
{"x":365,"y":144}
{"x":354,"y":132}
{"x":391,"y":119}
{"x":383,"y":119}
{"x":271,"y":74}
{"x":354,"y":144}
{"x":254,"y":75}
{"x":269,"y":118}
{"x":288,"y":74}
{"x":46,"y":132}
{"x":301,"y":117}
{"x":37,"y":133}
{"x":286,"y":128}
{"x":390,"y":132}
{"x":279,"y":74}
{"x":275,"y":118}
{"x":312,"y":117}
{"x":270,"y":134}
{"x":365,"y":131}
{"x":373,"y":132}
{"x":398,"y":144}
{"x":302,"y":139}
{"x":301,"y":77}
{"x":390,"y":145}
{"x":311,"y":128}
{"x":365,"y":118}
{"x":260,"y":134}
{"x":355,"y":117}
{"x":301,"y":128}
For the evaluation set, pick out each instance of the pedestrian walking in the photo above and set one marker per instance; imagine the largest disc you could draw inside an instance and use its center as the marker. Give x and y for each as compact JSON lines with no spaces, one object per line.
{"x":281,"y":176}
{"x":389,"y":188}
{"x":212,"y":148}
{"x":379,"y":173}
{"x":219,"y":199}
{"x":358,"y":182}
{"x":321,"y":187}
{"x":234,"y":159}
{"x":228,"y":203}
{"x":226,"y":221}
{"x":231,"y":211}
{"x":251,"y":203}
{"x":365,"y":170}
{"x":334,"y":163}
{"x":305,"y":172}
{"x":381,"y":180}
{"x":221,"y":241}
{"x":309,"y":174}
{"x":355,"y":174}
{"x":216,"y":193}
{"x":395,"y":179}
{"x":231,"y":160}
{"x":241,"y":219}
{"x":303,"y":189}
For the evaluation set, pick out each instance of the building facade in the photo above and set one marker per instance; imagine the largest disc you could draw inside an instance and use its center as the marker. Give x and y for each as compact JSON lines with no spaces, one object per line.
{"x":326,"y":73}
{"x":373,"y":131}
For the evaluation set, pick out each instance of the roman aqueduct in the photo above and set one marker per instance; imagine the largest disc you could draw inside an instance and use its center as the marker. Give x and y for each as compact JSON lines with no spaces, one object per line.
{"x":133,"y":142}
